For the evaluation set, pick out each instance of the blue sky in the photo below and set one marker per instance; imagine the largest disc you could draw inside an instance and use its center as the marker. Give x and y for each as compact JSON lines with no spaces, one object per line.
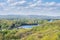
{"x":30,"y":7}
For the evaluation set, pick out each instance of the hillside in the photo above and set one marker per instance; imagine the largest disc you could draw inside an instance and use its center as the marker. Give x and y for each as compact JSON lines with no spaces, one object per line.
{"x":47,"y":31}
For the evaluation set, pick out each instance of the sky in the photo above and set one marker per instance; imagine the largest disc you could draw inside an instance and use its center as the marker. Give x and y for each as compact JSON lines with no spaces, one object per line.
{"x":30,"y":7}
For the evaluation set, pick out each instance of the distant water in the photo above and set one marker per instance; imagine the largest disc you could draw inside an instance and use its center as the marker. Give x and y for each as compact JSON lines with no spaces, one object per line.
{"x":27,"y":26}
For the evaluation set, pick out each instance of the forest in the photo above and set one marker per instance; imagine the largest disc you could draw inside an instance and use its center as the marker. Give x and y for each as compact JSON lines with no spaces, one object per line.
{"x":46,"y":30}
{"x":11,"y":24}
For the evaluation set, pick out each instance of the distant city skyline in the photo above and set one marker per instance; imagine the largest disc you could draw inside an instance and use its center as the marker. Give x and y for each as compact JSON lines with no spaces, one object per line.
{"x":30,"y":7}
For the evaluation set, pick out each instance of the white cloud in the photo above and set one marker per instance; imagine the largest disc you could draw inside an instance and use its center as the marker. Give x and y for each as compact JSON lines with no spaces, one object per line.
{"x":38,"y":6}
{"x":58,"y":4}
{"x":37,"y":3}
{"x":1,"y":4}
{"x":49,"y":3}
{"x":52,"y":3}
{"x":16,"y":3}
{"x":10,"y":1}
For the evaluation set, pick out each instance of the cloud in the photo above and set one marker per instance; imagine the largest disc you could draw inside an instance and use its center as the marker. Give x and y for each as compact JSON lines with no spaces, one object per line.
{"x":58,"y":4}
{"x":35,"y":6}
{"x":16,"y":3}
{"x":38,"y":2}
{"x":10,"y":1}
{"x":46,"y":5}
{"x":49,"y":3}
{"x":1,"y":4}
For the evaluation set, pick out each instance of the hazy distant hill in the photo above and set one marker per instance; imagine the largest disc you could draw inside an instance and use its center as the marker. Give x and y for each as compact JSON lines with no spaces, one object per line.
{"x":28,"y":16}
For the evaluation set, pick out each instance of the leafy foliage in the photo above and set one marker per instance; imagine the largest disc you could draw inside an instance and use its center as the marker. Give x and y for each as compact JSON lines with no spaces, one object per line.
{"x":45,"y":31}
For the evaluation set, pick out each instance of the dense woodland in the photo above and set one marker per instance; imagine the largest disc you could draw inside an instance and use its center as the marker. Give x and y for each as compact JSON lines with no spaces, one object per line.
{"x":10,"y":24}
{"x":45,"y":31}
